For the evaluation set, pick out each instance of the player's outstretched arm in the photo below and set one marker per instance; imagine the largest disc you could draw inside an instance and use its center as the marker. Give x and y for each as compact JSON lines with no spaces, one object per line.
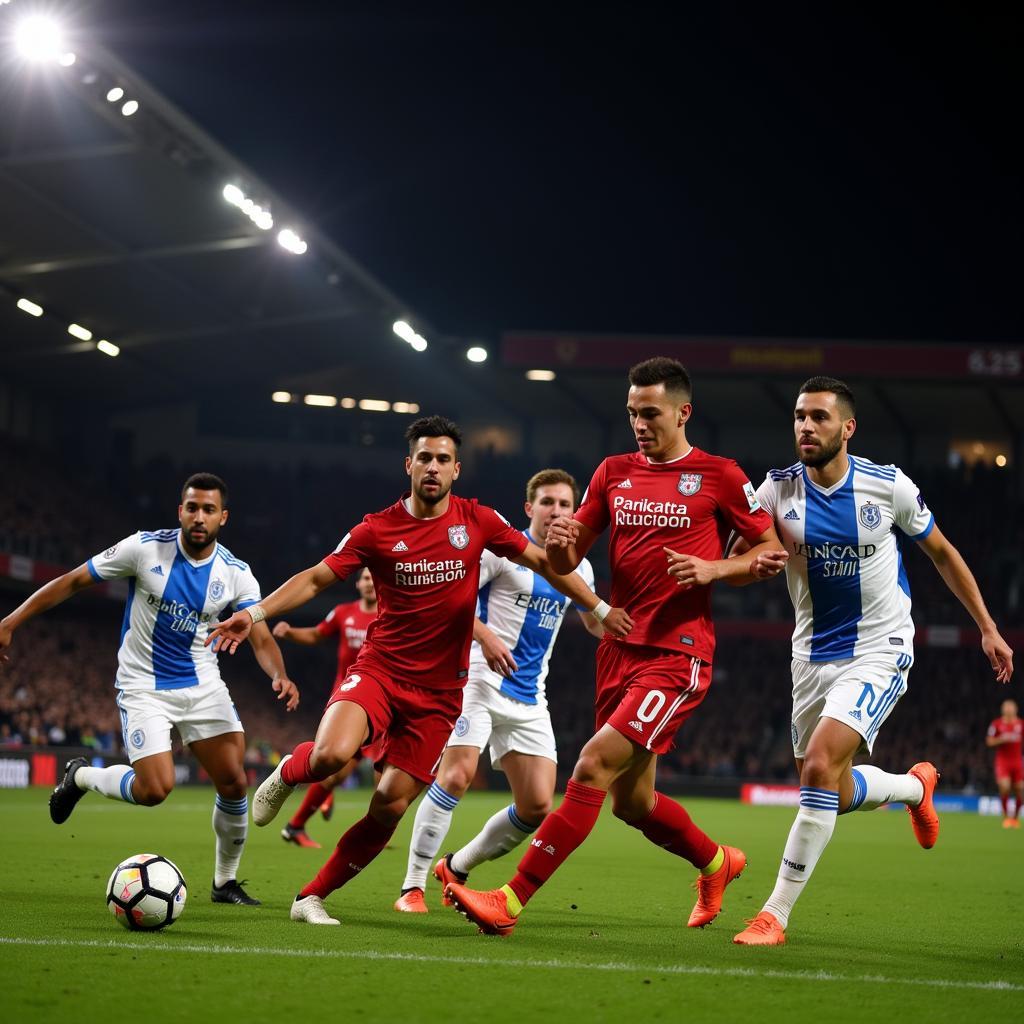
{"x":567,"y":543}
{"x":309,"y":636}
{"x":615,"y":620}
{"x":302,"y":587}
{"x":46,"y":597}
{"x":269,"y":656}
{"x":747,"y":563}
{"x":958,"y":577}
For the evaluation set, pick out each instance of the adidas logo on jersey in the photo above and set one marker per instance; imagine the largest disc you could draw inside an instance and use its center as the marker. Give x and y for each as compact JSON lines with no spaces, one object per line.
{"x":855,"y":713}
{"x":791,"y":514}
{"x":625,"y":485}
{"x":401,"y":546}
{"x":636,"y":725}
{"x":158,"y":569}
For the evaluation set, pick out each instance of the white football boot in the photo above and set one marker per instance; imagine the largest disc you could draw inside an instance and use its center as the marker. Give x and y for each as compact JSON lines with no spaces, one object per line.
{"x":271,"y":795}
{"x":311,"y":909}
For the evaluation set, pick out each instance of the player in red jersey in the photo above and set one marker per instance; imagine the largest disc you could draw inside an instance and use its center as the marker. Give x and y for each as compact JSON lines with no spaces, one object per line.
{"x":670,"y":508}
{"x":349,"y":623}
{"x":1006,"y":734}
{"x":405,"y":687}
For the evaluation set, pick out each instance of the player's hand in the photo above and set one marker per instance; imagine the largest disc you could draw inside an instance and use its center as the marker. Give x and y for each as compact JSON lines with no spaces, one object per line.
{"x":499,"y":657}
{"x":562,"y":531}
{"x":287,"y":691}
{"x":227,"y":635}
{"x":999,"y":655}
{"x":768,"y":564}
{"x":690,"y":571}
{"x":281,"y":630}
{"x":618,"y":623}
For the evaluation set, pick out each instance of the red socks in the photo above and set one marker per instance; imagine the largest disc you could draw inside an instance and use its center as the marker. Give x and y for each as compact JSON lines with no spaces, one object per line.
{"x":296,"y":770}
{"x":1004,"y":799}
{"x":557,"y":837}
{"x":315,"y":796}
{"x":670,"y":827}
{"x":355,"y":849}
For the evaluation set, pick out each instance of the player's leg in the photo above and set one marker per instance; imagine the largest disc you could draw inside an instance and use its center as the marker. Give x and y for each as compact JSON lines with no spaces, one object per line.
{"x":1018,"y":790}
{"x":315,"y":795}
{"x":1004,"y":785}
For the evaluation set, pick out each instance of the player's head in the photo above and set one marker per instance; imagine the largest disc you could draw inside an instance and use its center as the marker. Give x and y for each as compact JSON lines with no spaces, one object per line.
{"x":659,"y":404}
{"x":824,"y":420}
{"x":549,"y":493}
{"x":1009,"y":709}
{"x":433,"y":460}
{"x":364,"y":586}
{"x":203,"y":510}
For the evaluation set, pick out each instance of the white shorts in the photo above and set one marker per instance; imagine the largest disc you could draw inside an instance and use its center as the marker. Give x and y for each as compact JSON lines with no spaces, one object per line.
{"x":508,"y":725}
{"x":197,"y":712}
{"x":860,"y":693}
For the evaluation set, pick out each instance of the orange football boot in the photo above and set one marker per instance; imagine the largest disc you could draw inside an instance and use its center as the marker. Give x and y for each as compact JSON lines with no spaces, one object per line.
{"x":923,"y":817}
{"x":711,"y":888}
{"x":487,"y":910}
{"x":763,"y":930}
{"x":444,"y":874}
{"x":412,"y":902}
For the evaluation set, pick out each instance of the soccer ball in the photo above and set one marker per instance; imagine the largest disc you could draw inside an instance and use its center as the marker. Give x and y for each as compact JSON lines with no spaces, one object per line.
{"x":146,"y":892}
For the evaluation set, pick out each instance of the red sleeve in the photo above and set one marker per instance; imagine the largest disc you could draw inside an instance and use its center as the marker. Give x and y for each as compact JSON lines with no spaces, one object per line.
{"x":499,"y":535}
{"x":738,"y":502}
{"x":353,"y":552}
{"x":593,"y":511}
{"x":331,"y":625}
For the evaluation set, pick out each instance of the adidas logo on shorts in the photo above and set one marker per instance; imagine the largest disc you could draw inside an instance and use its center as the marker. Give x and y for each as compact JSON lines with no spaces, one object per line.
{"x":636,"y":725}
{"x":855,"y":713}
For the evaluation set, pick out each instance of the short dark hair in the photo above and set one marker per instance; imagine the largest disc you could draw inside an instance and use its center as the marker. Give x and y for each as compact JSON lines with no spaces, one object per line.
{"x":662,"y":370}
{"x":844,"y":396}
{"x":206,"y":482}
{"x":552,"y":476}
{"x":433,"y":426}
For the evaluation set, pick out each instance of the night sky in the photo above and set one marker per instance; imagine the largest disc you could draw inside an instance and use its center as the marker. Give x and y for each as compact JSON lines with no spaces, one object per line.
{"x":774,"y":170}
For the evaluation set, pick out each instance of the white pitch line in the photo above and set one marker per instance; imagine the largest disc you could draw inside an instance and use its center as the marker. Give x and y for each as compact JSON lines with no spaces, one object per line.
{"x":146,"y":944}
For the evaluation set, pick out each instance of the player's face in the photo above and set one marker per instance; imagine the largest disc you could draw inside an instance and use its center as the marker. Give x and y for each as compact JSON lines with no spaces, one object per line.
{"x":657,"y":419}
{"x":364,"y":585}
{"x":550,"y":500}
{"x":819,"y":428}
{"x":201,"y":516}
{"x":433,"y":467}
{"x":1009,"y":709}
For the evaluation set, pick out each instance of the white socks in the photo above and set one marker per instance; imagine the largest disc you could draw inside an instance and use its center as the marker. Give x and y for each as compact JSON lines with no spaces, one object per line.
{"x":433,"y":819}
{"x":504,"y":831}
{"x":231,"y":826}
{"x":808,"y":838}
{"x":872,"y":787}
{"x":115,"y":782}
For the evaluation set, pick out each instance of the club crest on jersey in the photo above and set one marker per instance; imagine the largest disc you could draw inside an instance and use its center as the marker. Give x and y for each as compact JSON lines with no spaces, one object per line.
{"x":689,"y":483}
{"x":461,"y":726}
{"x":458,"y":537}
{"x":870,"y":516}
{"x":217,"y":590}
{"x":110,"y":552}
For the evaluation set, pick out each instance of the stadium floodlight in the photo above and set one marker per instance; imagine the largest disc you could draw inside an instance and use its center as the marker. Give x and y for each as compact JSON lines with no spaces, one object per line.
{"x":65,"y":60}
{"x":281,"y":396}
{"x":39,"y":38}
{"x":399,"y":406}
{"x":325,"y":401}
{"x":263,"y":220}
{"x":289,"y":240}
{"x":233,"y":194}
{"x":30,"y":307}
{"x":108,"y":348}
{"x":1000,"y":461}
{"x":419,"y":343}
{"x":374,"y":405}
{"x":80,"y":332}
{"x":130,"y":107}
{"x":115,"y":94}
{"x":476,"y":354}
{"x":540,"y":374}
{"x":403,"y":330}
{"x":348,"y":403}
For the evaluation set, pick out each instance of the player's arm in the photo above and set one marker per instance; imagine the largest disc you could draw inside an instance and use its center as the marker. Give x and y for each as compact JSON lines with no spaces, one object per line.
{"x":592,"y":624}
{"x":46,"y":597}
{"x":997,"y":739}
{"x":760,"y":561}
{"x":567,"y":543}
{"x":615,"y":620}
{"x":302,"y":587}
{"x":495,"y":650}
{"x":270,"y":659}
{"x":958,"y":577}
{"x":308,"y":636}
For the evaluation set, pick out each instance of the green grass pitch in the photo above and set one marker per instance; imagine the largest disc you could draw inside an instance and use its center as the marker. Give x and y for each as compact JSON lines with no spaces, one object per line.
{"x":885,"y":928}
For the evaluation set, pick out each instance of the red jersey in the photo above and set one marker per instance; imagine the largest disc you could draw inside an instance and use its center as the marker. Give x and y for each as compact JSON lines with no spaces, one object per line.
{"x":1008,"y":752}
{"x":426,"y":573}
{"x":349,"y":623}
{"x":690,"y":505}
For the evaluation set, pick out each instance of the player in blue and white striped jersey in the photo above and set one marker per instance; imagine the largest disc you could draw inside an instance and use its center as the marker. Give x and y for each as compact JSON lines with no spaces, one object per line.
{"x":179,"y":581}
{"x":843,"y":521}
{"x":504,"y":704}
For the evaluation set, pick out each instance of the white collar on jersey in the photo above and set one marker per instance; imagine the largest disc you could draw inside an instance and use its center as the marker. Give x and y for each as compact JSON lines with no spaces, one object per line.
{"x":836,"y":486}
{"x":192,"y":561}
{"x":668,"y":462}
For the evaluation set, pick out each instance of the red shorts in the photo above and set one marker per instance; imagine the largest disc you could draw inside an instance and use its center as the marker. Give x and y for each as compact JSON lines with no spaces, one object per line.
{"x":1012,"y":770}
{"x":373,"y":750}
{"x":409,"y":725}
{"x":646,"y":693}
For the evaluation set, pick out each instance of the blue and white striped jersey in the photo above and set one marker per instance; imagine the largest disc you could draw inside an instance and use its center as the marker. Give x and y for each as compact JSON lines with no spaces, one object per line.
{"x":526,"y":612}
{"x":171,"y":600}
{"x":845,"y":571}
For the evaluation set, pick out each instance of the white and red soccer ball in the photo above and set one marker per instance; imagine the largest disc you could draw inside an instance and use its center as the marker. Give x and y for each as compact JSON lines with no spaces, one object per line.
{"x":146,"y":892}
